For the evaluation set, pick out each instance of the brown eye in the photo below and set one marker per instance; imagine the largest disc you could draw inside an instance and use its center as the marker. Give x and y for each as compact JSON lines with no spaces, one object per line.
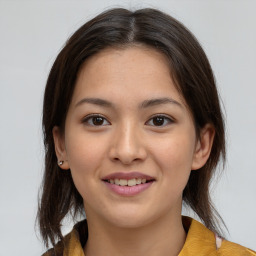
{"x":95,"y":120}
{"x":159,"y":121}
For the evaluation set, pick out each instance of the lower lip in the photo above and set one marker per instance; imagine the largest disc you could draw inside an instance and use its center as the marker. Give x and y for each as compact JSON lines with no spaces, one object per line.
{"x":127,"y":190}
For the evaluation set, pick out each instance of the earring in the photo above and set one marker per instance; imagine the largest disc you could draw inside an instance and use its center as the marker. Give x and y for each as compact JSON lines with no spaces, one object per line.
{"x":60,"y":162}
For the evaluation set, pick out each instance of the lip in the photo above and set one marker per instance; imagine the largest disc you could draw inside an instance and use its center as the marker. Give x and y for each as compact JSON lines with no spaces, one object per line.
{"x":127,"y":176}
{"x":128,"y":190}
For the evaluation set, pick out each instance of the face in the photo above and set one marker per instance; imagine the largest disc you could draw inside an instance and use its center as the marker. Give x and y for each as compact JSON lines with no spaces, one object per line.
{"x":129,"y":138}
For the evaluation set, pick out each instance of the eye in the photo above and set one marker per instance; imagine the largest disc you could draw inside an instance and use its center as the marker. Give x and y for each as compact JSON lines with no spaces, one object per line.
{"x":95,"y":120}
{"x":159,"y":120}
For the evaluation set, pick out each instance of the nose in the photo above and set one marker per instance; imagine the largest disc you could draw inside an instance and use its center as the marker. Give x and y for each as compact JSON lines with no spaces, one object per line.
{"x":127,"y":145}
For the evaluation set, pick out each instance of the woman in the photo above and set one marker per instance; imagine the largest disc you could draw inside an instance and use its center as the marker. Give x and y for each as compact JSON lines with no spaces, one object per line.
{"x":133,"y":128}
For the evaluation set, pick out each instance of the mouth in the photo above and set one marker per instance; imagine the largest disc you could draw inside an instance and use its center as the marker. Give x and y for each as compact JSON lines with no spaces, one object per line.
{"x":128,"y":184}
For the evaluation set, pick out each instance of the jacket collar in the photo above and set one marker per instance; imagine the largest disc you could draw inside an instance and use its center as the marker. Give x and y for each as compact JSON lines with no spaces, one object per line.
{"x":200,"y":240}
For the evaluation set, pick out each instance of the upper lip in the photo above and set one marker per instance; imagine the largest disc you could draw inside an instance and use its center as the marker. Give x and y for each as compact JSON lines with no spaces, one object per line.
{"x":127,"y":176}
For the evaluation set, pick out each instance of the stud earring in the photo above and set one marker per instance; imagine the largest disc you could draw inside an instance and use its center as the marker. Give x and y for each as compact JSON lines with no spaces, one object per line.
{"x":60,"y":162}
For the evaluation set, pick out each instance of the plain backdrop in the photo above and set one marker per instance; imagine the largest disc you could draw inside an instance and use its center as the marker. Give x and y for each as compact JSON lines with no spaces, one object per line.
{"x":31,"y":35}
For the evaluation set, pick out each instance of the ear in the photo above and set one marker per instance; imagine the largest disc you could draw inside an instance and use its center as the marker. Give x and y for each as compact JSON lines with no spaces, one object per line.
{"x":203,"y":147}
{"x":60,"y":150}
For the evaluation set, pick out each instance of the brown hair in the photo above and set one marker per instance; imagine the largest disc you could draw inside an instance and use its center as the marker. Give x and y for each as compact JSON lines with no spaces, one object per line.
{"x":194,"y":79}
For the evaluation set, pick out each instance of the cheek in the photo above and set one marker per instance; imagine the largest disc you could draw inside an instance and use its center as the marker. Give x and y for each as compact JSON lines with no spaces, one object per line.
{"x":175,"y":151}
{"x":82,"y":154}
{"x":85,"y":155}
{"x":174,"y":158}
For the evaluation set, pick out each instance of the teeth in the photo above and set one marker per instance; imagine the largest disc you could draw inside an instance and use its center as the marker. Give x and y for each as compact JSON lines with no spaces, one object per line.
{"x":123,"y":182}
{"x":138,"y":181}
{"x":130,"y":183}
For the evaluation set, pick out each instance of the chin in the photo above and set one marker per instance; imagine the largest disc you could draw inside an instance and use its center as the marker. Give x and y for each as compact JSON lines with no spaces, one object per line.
{"x":130,"y":222}
{"x":128,"y":218}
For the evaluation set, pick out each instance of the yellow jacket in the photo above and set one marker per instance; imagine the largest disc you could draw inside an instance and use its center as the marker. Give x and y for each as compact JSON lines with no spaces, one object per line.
{"x":200,"y":241}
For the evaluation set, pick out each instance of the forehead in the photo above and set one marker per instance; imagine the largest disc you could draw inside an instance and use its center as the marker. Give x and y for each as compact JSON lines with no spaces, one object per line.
{"x":129,"y":72}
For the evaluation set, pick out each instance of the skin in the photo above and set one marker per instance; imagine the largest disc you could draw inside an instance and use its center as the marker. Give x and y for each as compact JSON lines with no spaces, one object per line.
{"x":127,"y":140}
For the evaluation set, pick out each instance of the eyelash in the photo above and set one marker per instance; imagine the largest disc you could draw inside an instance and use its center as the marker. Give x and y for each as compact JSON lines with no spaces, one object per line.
{"x":166,"y":119}
{"x":89,"y":118}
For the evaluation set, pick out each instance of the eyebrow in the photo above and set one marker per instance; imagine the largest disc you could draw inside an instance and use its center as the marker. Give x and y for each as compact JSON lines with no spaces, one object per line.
{"x":159,"y":101}
{"x":95,"y":101}
{"x":144,"y":104}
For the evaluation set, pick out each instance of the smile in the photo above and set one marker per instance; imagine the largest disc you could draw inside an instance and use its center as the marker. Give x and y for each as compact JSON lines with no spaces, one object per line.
{"x":128,"y":184}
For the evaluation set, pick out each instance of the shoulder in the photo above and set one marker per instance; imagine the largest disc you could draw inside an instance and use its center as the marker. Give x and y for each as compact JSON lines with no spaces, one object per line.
{"x":72,"y":243}
{"x":229,"y":248}
{"x":58,"y":249}
{"x":201,"y":241}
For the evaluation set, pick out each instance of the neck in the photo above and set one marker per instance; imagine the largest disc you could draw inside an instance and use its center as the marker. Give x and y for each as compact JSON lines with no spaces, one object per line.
{"x":165,"y":236}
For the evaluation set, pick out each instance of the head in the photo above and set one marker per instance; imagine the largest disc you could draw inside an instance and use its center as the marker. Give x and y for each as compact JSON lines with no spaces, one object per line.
{"x":120,"y":32}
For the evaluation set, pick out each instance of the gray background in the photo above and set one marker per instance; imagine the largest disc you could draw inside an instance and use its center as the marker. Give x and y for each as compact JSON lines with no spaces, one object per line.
{"x":32,"y":33}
